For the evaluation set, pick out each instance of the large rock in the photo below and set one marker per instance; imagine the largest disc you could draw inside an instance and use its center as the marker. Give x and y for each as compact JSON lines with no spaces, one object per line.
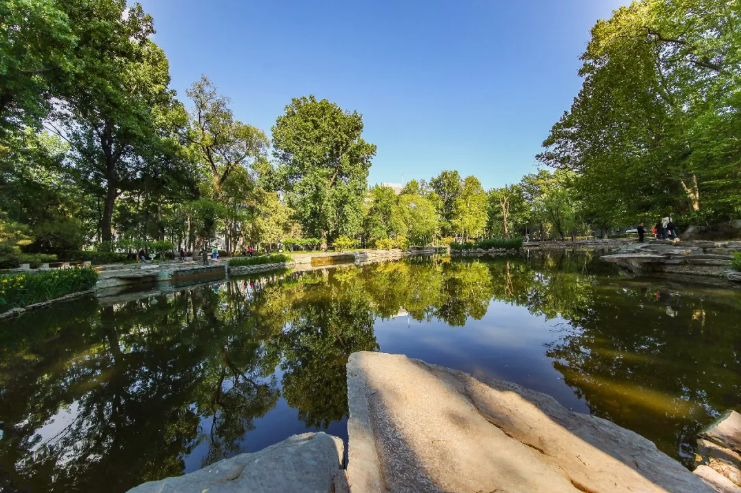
{"x":307,"y":463}
{"x":726,"y":432}
{"x":415,"y":427}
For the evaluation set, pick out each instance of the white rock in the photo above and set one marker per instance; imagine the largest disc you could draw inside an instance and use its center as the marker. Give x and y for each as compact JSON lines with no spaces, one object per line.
{"x":415,"y":427}
{"x":305,"y":463}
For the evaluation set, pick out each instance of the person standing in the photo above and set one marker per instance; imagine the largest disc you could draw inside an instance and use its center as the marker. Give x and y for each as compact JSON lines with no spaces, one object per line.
{"x":659,"y":230}
{"x":249,"y":250}
{"x":664,"y":228}
{"x":641,"y":233}
{"x":672,"y":229}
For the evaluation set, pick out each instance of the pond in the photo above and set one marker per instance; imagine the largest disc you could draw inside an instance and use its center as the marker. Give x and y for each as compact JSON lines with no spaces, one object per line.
{"x":100,"y":396}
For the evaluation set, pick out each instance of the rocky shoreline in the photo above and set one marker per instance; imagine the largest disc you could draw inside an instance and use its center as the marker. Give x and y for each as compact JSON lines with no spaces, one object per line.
{"x":415,"y":427}
{"x":687,"y":258}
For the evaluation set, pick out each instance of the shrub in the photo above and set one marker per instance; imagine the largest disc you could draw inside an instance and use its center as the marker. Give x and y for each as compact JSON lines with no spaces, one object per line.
{"x":736,"y":262}
{"x":447,"y":240}
{"x":343,"y":243}
{"x":161,"y":248}
{"x":36,"y":259}
{"x":20,"y":289}
{"x":508,"y":243}
{"x":305,"y":243}
{"x":96,"y":257}
{"x":264,"y":259}
{"x":402,"y":242}
{"x":385,"y":244}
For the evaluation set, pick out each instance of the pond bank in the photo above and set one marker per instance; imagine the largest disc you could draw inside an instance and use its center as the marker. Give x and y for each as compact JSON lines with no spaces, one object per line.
{"x":415,"y":427}
{"x":115,"y":280}
{"x":685,"y":258}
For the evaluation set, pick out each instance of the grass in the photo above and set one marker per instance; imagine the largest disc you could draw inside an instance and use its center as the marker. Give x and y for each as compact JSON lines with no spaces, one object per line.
{"x":508,"y":243}
{"x":21,"y":289}
{"x":736,"y":261}
{"x":265,"y":259}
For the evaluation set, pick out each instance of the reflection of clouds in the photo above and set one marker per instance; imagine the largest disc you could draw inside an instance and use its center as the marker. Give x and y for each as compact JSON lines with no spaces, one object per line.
{"x":53,"y":432}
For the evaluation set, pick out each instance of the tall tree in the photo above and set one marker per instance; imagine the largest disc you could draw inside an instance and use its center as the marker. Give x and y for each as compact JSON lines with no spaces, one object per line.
{"x":469,"y":209}
{"x":323,"y":165}
{"x":120,"y":106}
{"x":36,"y":59}
{"x":222,"y":143}
{"x":383,"y":217}
{"x":668,"y":71}
{"x":448,"y":187}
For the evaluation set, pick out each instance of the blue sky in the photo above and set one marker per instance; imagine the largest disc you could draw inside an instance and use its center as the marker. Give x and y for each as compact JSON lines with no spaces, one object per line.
{"x":471,"y":85}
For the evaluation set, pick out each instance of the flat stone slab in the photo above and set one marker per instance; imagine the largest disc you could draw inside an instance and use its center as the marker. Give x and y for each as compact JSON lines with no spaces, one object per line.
{"x":305,"y":463}
{"x":415,"y":427}
{"x":726,"y":432}
{"x":720,"y":483}
{"x":636,"y":257}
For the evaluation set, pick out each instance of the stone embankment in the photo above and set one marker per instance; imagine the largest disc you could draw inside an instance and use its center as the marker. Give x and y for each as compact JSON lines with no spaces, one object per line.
{"x":580,"y":245}
{"x":415,"y":427}
{"x":308,"y":463}
{"x":691,"y":258}
{"x":593,"y":244}
{"x":719,"y":449}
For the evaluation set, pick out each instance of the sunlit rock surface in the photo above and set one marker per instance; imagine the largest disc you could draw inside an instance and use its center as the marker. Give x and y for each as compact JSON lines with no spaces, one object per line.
{"x":415,"y":427}
{"x":307,"y":463}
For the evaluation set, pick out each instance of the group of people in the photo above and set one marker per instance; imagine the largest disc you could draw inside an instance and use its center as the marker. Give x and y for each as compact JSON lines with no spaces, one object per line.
{"x":663,"y":230}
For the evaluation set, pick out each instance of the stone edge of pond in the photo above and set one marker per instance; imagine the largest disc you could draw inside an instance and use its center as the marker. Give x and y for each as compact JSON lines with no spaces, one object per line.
{"x":16,"y":312}
{"x":305,"y":463}
{"x":416,"y":427}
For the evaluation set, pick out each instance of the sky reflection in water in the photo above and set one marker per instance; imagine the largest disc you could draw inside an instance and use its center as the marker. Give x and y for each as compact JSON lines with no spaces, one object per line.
{"x":101,"y":397}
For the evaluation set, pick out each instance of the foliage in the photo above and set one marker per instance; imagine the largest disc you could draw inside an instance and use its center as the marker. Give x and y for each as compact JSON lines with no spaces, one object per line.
{"x":323,"y":165}
{"x":420,"y":216}
{"x":36,"y":58}
{"x":259,"y":260}
{"x":390,"y":243}
{"x":344,"y":243}
{"x":22,"y":289}
{"x":383,"y":216}
{"x":306,"y":243}
{"x":223,"y":144}
{"x":96,"y":257}
{"x":447,"y":240}
{"x":447,"y":187}
{"x":736,"y":261}
{"x":506,"y":243}
{"x":469,"y":209}
{"x":669,"y":73}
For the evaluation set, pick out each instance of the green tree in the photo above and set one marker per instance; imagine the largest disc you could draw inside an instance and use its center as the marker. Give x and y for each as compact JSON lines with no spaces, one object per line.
{"x":383,"y":217}
{"x":222,"y":144}
{"x":323,"y":165}
{"x":448,"y":187}
{"x":507,"y":211}
{"x":115,"y":129}
{"x":668,"y":71}
{"x":420,"y":216}
{"x":469,"y":210}
{"x":36,"y":59}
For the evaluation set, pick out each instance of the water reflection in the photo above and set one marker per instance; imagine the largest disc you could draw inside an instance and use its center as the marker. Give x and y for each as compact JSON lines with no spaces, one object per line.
{"x":102,"y":397}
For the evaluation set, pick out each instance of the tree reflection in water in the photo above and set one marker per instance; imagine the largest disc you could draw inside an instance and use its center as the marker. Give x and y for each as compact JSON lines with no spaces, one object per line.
{"x":101,"y":398}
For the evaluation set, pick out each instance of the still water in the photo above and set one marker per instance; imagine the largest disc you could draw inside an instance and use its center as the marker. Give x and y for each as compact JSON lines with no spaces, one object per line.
{"x":100,"y":396}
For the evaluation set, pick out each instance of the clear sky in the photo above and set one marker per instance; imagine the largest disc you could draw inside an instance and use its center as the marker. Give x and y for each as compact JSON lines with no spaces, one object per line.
{"x":472,"y":85}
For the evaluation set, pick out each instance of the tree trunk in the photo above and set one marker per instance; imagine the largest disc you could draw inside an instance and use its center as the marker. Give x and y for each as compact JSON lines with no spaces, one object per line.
{"x":504,"y":204}
{"x":110,"y":202}
{"x":693,"y":193}
{"x":324,"y":240}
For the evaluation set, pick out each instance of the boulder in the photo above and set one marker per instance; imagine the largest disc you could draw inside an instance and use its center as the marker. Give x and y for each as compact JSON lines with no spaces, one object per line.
{"x":725,"y":432}
{"x":720,"y":483}
{"x":308,"y":463}
{"x":415,"y":427}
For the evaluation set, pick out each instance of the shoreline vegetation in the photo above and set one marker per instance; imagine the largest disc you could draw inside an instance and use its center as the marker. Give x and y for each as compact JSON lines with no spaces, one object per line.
{"x":23,"y":289}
